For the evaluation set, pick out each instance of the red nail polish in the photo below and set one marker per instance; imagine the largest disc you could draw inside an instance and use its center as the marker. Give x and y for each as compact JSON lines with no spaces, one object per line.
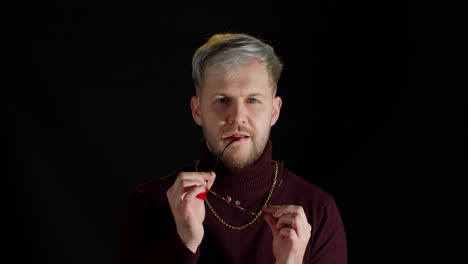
{"x":202,"y":195}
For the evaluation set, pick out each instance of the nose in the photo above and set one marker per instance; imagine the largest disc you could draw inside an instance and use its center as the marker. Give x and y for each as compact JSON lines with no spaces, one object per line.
{"x":237,"y":113}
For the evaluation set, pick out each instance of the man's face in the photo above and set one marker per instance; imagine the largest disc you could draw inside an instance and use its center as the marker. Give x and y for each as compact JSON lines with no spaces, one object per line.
{"x":238,"y":105}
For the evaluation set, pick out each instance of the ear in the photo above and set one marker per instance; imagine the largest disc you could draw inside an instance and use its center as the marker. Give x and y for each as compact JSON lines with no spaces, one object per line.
{"x":277,"y":102}
{"x":195,"y":107}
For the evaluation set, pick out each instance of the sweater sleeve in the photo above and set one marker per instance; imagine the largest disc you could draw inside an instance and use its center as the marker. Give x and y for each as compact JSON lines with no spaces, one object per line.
{"x":149,"y":234}
{"x":329,"y":240}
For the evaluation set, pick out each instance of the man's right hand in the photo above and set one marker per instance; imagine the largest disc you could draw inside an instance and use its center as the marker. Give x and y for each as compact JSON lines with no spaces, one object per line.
{"x":187,"y":209}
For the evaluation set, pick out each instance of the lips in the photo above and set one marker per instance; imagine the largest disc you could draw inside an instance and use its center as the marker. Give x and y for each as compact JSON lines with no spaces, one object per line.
{"x":237,"y":136}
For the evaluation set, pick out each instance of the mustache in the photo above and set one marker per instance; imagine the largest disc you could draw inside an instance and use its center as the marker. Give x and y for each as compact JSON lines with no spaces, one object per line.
{"x":237,"y":129}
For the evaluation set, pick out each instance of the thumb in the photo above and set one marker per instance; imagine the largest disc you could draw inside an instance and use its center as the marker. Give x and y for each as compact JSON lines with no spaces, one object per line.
{"x":211,"y":180}
{"x":271,"y":221}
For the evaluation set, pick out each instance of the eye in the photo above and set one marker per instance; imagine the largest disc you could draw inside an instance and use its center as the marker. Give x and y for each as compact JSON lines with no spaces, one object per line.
{"x":252,"y":100}
{"x":222,"y":100}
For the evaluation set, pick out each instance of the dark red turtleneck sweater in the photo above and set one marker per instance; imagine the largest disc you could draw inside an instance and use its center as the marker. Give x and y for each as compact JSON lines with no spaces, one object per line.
{"x":150,"y":236}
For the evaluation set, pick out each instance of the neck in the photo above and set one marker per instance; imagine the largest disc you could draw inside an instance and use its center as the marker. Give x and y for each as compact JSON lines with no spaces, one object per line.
{"x":254,"y":176}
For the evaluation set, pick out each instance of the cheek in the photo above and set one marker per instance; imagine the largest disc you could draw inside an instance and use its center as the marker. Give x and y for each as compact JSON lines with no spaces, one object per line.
{"x":262,"y":118}
{"x":211,"y":123}
{"x":260,"y":126}
{"x":213,"y":113}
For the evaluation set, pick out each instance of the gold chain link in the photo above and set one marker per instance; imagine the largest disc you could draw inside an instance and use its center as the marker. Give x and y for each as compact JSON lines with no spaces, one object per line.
{"x":275,"y":177}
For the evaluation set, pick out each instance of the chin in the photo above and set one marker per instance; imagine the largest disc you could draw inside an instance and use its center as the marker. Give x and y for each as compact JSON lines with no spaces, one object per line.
{"x":236,"y":164}
{"x":239,"y":161}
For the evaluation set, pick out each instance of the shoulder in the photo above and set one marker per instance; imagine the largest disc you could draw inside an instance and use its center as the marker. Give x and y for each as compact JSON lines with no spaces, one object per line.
{"x":158,"y":186}
{"x":304,"y":192}
{"x":328,"y":238}
{"x":319,"y":205}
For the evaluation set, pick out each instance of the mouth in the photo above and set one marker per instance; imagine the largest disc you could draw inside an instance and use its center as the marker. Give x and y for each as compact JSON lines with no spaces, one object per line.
{"x":237,"y":137}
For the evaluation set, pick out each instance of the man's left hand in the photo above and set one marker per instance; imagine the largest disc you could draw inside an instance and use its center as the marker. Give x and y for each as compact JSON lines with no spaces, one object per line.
{"x":291,"y":232}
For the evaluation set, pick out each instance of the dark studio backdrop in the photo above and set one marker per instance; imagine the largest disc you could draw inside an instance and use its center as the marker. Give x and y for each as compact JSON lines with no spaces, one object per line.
{"x":98,"y":94}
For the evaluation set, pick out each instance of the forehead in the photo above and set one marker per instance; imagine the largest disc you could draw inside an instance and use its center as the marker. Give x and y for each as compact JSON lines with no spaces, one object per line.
{"x":252,"y":77}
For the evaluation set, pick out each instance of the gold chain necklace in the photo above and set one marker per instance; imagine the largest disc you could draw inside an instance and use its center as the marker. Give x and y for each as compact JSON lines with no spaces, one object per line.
{"x":275,"y":177}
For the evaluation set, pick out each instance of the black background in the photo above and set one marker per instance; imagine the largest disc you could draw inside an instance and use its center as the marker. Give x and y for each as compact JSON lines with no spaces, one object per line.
{"x":97,"y":97}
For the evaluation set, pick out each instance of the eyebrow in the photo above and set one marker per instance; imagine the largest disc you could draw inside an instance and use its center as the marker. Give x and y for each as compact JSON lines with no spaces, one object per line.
{"x":248,"y":96}
{"x":255,"y":95}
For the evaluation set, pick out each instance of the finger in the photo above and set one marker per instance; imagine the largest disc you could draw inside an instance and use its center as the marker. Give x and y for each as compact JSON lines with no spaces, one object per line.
{"x":193,"y":193}
{"x":191,"y":175}
{"x":296,"y":213}
{"x":279,"y":210}
{"x":286,"y":221}
{"x":189,"y":184}
{"x":270,"y":209}
{"x":297,"y":221}
{"x":271,"y":223}
{"x":288,"y":233}
{"x":209,"y":183}
{"x":210,"y":180}
{"x":287,"y":209}
{"x":179,"y":189}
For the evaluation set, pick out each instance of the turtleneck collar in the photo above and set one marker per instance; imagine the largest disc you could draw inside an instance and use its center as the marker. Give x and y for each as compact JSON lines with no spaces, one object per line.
{"x":254,"y":177}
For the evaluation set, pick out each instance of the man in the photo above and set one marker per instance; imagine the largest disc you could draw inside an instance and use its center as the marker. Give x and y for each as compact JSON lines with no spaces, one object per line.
{"x":235,"y":204}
